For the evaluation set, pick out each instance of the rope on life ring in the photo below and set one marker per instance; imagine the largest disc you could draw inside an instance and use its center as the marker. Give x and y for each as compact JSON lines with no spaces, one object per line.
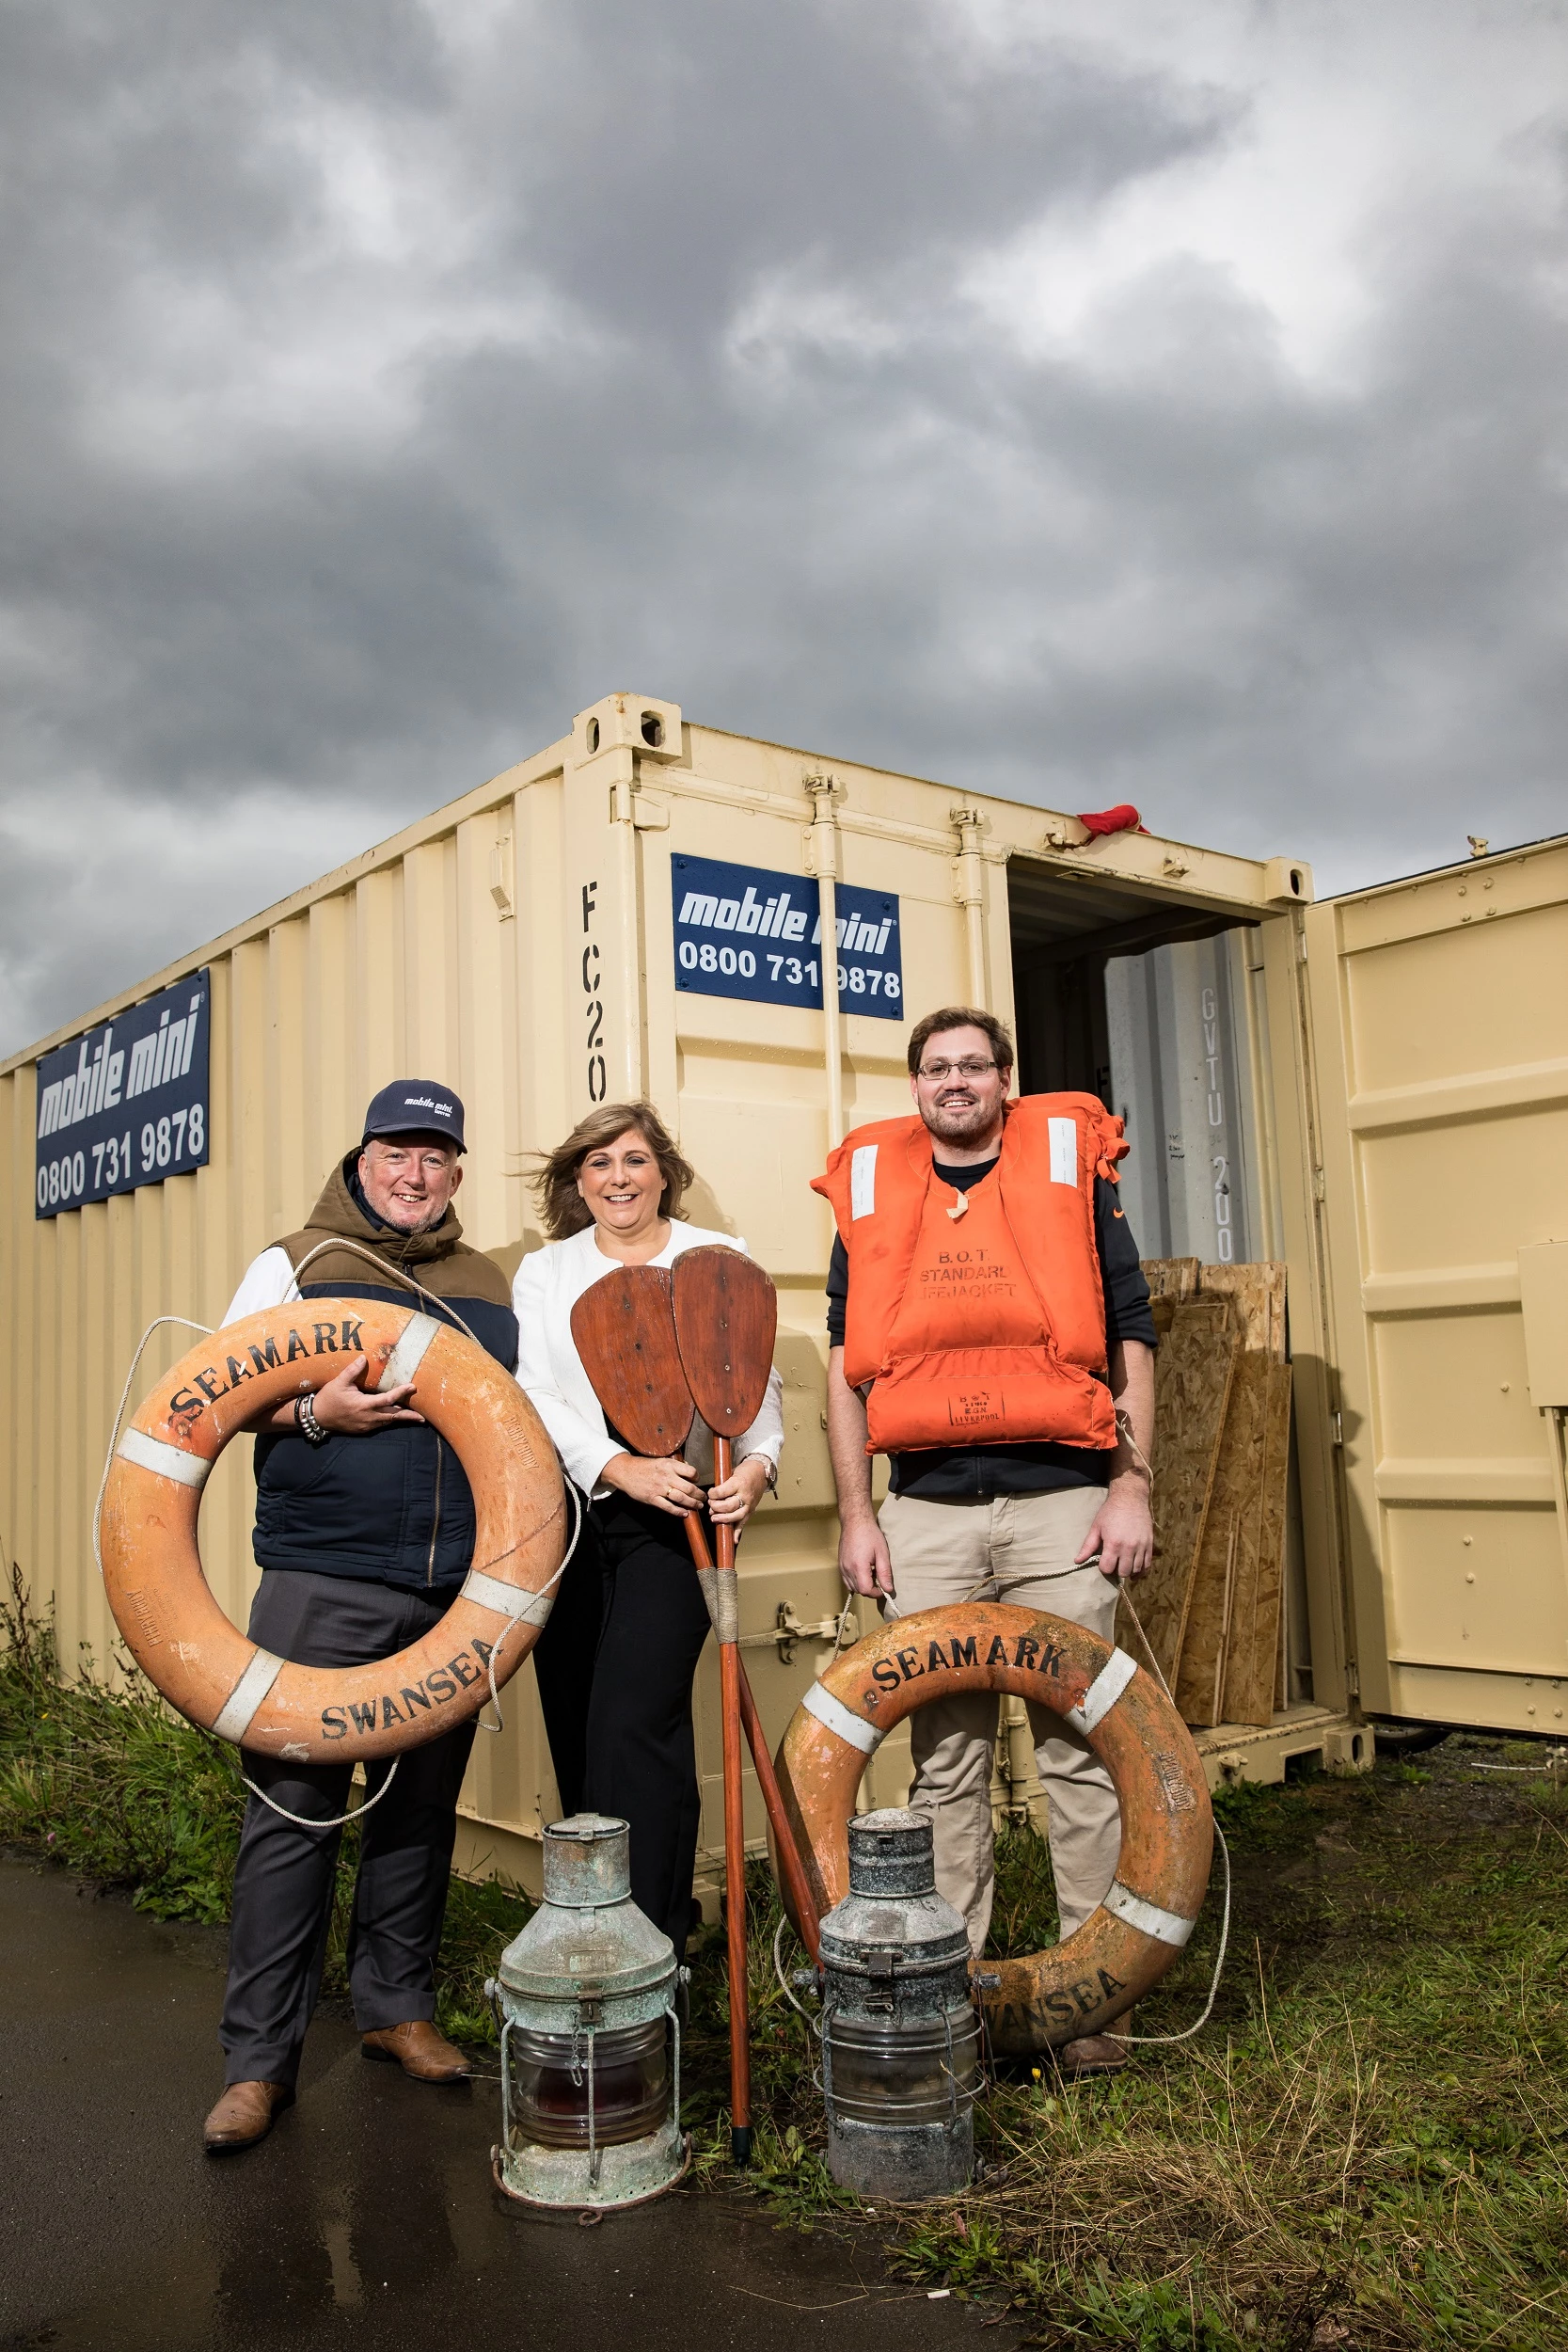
{"x":1078,"y":1986}
{"x":152,"y":1564}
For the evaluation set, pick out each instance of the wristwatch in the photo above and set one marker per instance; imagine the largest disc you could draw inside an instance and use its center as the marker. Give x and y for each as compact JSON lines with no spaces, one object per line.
{"x":770,"y":1470}
{"x":306,"y":1423}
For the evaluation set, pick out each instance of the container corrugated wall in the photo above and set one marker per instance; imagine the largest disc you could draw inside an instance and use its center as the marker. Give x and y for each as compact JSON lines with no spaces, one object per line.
{"x":406,"y":963}
{"x":518,"y":943}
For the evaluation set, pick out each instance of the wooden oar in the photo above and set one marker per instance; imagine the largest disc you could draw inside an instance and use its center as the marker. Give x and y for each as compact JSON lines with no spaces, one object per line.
{"x":726,"y":1320}
{"x":625,"y":1334}
{"x":727,"y":1317}
{"x":802,"y":1901}
{"x":623,"y":1329}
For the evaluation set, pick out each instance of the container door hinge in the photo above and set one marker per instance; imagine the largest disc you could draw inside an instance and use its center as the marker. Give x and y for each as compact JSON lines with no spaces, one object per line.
{"x":1320,"y":1184}
{"x":1353,"y":1679}
{"x":631,"y":804}
{"x":1337,"y":1428}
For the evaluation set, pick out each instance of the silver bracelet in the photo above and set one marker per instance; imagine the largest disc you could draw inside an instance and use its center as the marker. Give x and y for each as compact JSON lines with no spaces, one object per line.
{"x":306,"y":1423}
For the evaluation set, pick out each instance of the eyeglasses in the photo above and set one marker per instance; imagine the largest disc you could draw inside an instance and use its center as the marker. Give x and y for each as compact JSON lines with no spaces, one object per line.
{"x":971,"y":1068}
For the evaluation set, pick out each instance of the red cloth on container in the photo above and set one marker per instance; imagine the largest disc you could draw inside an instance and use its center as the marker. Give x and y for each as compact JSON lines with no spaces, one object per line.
{"x":1123,"y":819}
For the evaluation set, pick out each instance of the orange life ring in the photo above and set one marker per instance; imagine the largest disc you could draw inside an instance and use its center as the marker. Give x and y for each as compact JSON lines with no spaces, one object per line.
{"x":1167,"y":1824}
{"x":160,"y":1599}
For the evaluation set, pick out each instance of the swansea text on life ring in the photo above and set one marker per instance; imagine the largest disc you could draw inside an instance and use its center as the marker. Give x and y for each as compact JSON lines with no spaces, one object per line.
{"x":1166,"y":1825}
{"x":152,"y":1569}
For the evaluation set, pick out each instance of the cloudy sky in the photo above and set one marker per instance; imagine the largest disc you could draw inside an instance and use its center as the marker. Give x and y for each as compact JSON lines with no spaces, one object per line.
{"x":1162,"y":403}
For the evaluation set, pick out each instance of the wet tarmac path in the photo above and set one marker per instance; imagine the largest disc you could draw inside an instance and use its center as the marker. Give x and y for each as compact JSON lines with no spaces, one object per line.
{"x":368,"y":2215}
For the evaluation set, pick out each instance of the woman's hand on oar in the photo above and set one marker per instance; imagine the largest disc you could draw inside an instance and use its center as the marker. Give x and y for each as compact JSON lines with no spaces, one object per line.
{"x":732,"y":1503}
{"x":667,"y":1482}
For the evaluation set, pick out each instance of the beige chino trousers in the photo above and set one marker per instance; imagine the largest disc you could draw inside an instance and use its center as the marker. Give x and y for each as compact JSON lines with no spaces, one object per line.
{"x":1018,"y":1548}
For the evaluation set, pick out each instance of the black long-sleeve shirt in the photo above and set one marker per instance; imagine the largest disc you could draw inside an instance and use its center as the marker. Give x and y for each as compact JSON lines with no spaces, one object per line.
{"x":954,"y":1474}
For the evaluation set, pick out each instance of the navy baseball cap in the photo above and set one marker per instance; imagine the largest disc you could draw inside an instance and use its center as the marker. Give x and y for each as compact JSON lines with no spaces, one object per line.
{"x":415,"y":1106}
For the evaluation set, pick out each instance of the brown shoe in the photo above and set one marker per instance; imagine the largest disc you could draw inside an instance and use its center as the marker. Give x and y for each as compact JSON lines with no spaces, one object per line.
{"x":419,"y":2050}
{"x":1097,"y":2053}
{"x":242,"y":2116}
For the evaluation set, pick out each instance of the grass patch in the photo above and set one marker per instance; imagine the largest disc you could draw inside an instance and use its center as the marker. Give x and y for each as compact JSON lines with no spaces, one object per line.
{"x":110,"y":1781}
{"x":1367,"y":2148}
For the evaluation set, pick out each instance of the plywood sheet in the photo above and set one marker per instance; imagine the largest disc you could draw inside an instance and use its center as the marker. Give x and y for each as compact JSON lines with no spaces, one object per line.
{"x":1257,"y":1291}
{"x":1224,"y":1584}
{"x":1253,"y":1647}
{"x":1192,"y":1382}
{"x":1171,"y":1278}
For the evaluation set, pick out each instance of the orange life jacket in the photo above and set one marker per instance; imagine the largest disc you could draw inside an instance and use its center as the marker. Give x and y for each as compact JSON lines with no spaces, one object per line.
{"x":985,"y":1327}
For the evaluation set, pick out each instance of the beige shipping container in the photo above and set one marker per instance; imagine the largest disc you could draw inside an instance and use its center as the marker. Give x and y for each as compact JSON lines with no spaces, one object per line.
{"x":1374,"y":1091}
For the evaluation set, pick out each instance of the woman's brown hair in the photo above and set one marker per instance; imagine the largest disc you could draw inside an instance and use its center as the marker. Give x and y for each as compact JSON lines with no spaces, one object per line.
{"x":563,"y":1208}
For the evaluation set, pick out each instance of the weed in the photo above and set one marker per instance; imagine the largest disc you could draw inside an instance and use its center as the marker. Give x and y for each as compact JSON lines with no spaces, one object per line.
{"x":481,"y":1922}
{"x":109,"y":1780}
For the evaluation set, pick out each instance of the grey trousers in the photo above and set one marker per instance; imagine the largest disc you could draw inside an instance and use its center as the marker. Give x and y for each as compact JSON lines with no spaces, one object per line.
{"x":283,"y":1878}
{"x":1018,"y":1549}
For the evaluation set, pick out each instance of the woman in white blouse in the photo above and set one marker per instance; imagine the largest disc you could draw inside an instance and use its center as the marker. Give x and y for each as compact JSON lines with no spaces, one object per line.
{"x":616,"y":1661}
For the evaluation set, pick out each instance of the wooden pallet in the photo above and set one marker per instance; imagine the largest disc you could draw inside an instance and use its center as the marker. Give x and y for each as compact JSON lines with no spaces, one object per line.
{"x":1222,"y":1451}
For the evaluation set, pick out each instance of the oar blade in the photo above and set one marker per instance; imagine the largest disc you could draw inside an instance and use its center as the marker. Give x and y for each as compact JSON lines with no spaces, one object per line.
{"x":726,"y":1318}
{"x":625,"y":1335}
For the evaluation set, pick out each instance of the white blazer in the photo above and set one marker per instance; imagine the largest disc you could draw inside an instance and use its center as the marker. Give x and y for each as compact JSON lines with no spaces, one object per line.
{"x":547,"y":1287}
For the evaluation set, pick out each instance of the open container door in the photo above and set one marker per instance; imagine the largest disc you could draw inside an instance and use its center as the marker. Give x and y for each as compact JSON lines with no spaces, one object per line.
{"x":1178,"y":1000}
{"x":1439,"y":1019}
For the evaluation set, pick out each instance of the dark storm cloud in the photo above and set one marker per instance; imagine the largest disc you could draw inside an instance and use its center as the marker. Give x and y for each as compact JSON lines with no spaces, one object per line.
{"x":681,"y":151}
{"x":382,"y":385}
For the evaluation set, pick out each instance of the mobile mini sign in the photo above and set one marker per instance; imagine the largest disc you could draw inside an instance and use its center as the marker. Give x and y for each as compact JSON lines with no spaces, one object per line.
{"x":126,"y":1105}
{"x":741,"y":930}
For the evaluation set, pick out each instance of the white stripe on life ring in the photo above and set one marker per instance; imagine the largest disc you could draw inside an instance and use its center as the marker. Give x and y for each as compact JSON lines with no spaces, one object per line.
{"x":508,"y":1601}
{"x":153,"y":1453}
{"x":827,"y":1709}
{"x":1168,"y":1926}
{"x":240,"y":1707}
{"x":1104,"y":1692}
{"x":407,"y":1356}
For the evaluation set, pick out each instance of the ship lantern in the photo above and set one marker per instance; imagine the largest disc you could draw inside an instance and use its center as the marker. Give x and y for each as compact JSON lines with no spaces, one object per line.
{"x":588,"y":2035}
{"x":900,"y":2031}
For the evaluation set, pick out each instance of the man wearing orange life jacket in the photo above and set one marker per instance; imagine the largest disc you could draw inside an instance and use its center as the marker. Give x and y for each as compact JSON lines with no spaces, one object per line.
{"x":989,"y":1330}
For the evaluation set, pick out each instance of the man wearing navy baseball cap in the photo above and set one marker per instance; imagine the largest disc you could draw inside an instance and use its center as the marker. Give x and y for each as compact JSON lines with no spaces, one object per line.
{"x":415,"y":1106}
{"x":364,"y":1533}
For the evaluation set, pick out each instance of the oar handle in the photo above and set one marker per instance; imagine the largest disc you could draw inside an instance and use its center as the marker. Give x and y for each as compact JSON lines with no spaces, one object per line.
{"x":791,"y":1870}
{"x":735,"y":1908}
{"x":735,"y":1838}
{"x":724,"y":1464}
{"x":802,"y":1901}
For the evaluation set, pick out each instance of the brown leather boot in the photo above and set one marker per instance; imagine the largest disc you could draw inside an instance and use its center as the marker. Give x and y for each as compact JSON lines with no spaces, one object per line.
{"x":242,"y":2116}
{"x":1097,"y":2053}
{"x":419,"y":2050}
